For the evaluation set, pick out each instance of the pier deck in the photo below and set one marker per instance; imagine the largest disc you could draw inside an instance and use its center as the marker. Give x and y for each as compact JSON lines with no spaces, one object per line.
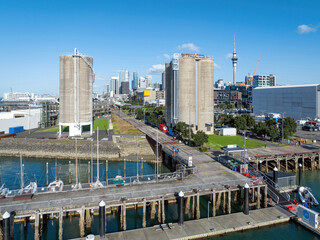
{"x":213,"y":226}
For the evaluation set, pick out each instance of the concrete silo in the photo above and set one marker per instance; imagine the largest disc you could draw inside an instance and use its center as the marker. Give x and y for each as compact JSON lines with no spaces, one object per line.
{"x":76,"y":80}
{"x":205,"y":95}
{"x":187,"y":90}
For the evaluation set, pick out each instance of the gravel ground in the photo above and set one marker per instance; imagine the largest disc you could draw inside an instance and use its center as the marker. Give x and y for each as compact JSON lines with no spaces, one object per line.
{"x":308,"y":135}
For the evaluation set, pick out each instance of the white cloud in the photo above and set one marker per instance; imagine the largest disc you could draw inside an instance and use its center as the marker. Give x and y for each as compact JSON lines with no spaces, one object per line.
{"x":156,"y":69}
{"x":100,"y":77}
{"x":303,"y":29}
{"x":167,"y":56}
{"x":229,"y":56}
{"x":216,"y":66}
{"x":189,"y":46}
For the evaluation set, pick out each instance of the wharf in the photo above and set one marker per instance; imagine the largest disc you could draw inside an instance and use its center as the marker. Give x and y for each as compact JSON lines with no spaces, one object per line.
{"x":202,"y":228}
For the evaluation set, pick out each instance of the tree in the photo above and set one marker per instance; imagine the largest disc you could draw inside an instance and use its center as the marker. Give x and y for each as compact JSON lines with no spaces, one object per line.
{"x":140,"y":114}
{"x":289,"y":127}
{"x":200,"y":138}
{"x":240,"y":123}
{"x":226,"y":119}
{"x":273,"y":131}
{"x":260,"y":129}
{"x":249,"y":120}
{"x":181,"y":129}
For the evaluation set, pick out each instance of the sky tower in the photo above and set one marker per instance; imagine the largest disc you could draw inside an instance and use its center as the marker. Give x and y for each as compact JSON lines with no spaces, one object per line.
{"x":234,"y":61}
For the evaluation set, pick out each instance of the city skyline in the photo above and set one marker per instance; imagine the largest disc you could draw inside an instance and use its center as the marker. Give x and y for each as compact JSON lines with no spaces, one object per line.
{"x":134,"y":36}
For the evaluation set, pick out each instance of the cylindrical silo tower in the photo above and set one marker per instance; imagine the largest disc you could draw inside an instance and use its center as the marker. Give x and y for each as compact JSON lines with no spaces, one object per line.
{"x":205,"y":95}
{"x":187,"y":90}
{"x":76,"y":80}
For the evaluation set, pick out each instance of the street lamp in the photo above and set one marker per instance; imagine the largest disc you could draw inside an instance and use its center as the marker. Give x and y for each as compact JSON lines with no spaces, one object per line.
{"x":282,"y":125}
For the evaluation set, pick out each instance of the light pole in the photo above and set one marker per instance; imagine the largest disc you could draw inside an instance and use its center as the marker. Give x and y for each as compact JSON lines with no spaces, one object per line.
{"x":91,"y":159}
{"x":157,"y":164}
{"x":282,"y":126}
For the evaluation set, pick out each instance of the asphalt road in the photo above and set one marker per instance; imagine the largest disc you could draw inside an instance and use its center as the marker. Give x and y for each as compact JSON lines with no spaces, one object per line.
{"x":307,"y":134}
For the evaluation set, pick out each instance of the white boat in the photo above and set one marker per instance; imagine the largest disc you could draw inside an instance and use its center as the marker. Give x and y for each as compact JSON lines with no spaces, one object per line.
{"x":31,"y":188}
{"x":55,"y":186}
{"x":307,"y":197}
{"x":4,"y":192}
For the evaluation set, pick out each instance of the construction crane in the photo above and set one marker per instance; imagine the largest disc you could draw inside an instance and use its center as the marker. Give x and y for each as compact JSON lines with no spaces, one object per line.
{"x":250,"y":78}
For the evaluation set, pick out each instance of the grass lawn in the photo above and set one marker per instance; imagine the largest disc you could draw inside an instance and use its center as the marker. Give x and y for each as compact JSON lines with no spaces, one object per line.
{"x":102,"y":123}
{"x":120,"y":126}
{"x":52,"y":129}
{"x":218,"y":142}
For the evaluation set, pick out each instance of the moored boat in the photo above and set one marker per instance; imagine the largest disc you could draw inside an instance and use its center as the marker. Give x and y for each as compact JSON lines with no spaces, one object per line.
{"x":30,"y":189}
{"x":55,"y":186}
{"x":307,"y":197}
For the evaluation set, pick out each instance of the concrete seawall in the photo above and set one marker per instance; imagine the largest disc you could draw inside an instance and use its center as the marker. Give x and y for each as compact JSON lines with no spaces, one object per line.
{"x":65,"y":149}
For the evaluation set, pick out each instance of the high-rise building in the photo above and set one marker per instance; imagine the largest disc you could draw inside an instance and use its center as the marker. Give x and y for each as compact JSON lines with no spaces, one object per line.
{"x":264,"y":80}
{"x":114,"y":85}
{"x":135,"y":80}
{"x":142,"y":82}
{"x":163,"y":81}
{"x":124,"y":76}
{"x":234,"y":60}
{"x":189,"y":91}
{"x":125,"y":88}
{"x":148,"y":81}
{"x":76,"y":80}
{"x":219,"y":84}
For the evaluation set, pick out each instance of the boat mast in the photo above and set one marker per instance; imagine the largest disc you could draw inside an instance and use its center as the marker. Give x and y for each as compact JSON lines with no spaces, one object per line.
{"x":21,"y":172}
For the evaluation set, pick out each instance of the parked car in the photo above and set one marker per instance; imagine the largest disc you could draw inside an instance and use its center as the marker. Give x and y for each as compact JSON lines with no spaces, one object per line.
{"x":310,"y":128}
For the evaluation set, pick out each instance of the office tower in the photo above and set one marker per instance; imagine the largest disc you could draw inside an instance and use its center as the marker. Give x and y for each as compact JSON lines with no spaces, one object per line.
{"x":114,"y":85}
{"x":125,"y":88}
{"x":135,"y":80}
{"x":142,"y":82}
{"x":148,"y":81}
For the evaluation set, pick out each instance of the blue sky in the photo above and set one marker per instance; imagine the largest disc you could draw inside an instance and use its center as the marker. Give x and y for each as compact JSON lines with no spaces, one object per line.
{"x":139,"y":36}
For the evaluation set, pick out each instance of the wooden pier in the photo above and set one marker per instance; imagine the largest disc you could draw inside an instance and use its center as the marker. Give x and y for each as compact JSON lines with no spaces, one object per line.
{"x":202,"y":228}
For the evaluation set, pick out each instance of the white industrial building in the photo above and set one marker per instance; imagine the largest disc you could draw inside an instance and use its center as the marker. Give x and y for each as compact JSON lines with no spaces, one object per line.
{"x":296,"y":101}
{"x":28,"y":118}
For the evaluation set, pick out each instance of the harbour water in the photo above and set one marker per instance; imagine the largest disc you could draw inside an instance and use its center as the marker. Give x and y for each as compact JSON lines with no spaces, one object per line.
{"x":35,"y":169}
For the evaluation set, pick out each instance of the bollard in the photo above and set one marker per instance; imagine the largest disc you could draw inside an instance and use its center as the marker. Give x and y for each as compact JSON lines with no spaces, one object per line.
{"x":6,"y":226}
{"x":102,"y":218}
{"x":246,"y":199}
{"x":259,"y":165}
{"x":180,"y":208}
{"x":275,"y":176}
{"x":300,"y":170}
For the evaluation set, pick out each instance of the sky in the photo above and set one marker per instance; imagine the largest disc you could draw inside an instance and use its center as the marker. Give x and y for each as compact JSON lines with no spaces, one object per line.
{"x":142,"y":35}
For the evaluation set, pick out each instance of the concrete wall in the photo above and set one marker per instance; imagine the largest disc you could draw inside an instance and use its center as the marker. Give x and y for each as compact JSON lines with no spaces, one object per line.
{"x":298,"y":102}
{"x":26,"y":122}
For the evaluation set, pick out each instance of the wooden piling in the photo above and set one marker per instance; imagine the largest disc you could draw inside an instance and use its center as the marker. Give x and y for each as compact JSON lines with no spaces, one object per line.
{"x":218,"y":201}
{"x":229,"y":201}
{"x":193,"y":207}
{"x":267,"y":169}
{"x":1,"y":234}
{"x":265,"y":196}
{"x":81,"y":221}
{"x":159,"y":211}
{"x":286,"y":163}
{"x":213,"y":203}
{"x":224,"y":202}
{"x":312,"y":163}
{"x":60,"y":224}
{"x":163,"y":211}
{"x":107,"y":169}
{"x":124,"y":216}
{"x":302,"y":163}
{"x":144,"y":213}
{"x":36,"y":226}
{"x":252,"y":194}
{"x":258,"y":196}
{"x":187,"y":205}
{"x":198,"y":206}
{"x":296,"y":162}
{"x":89,"y":171}
{"x":47,"y":173}
{"x":69,"y":172}
{"x":88,"y":219}
{"x":153,"y":210}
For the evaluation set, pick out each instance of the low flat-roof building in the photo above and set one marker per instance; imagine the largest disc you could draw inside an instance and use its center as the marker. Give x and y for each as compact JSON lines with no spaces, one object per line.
{"x":296,"y":101}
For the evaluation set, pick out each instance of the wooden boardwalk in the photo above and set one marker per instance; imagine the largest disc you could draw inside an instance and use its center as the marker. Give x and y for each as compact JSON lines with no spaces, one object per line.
{"x":203,"y":228}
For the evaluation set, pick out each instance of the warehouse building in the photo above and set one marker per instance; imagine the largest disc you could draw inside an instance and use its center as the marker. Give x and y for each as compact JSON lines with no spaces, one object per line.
{"x":296,"y":101}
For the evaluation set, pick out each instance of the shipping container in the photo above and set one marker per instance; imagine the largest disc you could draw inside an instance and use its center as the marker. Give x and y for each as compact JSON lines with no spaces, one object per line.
{"x":16,"y":129}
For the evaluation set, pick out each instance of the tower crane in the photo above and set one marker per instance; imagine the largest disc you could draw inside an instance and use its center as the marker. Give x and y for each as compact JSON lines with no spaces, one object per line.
{"x":250,"y":78}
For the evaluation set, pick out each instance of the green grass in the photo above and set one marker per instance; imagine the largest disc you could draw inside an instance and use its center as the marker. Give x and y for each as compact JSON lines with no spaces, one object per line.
{"x":52,"y":129}
{"x":218,"y":142}
{"x":102,"y":123}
